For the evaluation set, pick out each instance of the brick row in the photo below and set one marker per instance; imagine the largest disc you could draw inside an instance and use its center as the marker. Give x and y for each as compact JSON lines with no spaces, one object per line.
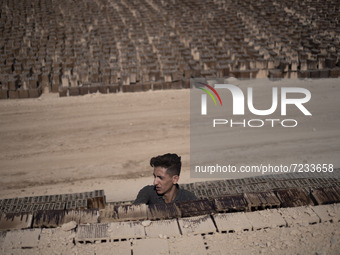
{"x":93,"y":199}
{"x":99,"y":46}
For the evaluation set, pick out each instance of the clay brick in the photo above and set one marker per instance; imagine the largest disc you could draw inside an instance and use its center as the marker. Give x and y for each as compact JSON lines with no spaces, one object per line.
{"x":146,"y":86}
{"x":125,"y":230}
{"x":93,"y":89}
{"x":324,"y":73}
{"x":293,"y":198}
{"x":73,"y":91}
{"x":3,"y":94}
{"x":275,"y":74}
{"x":265,"y":219}
{"x":186,"y":83}
{"x":131,"y":212}
{"x":22,"y":239}
{"x":244,"y":74}
{"x":167,"y":85}
{"x":92,"y":233}
{"x":4,"y":85}
{"x":326,"y":195}
{"x":13,"y":94}
{"x":15,"y":221}
{"x":162,"y":228}
{"x":127,"y":88}
{"x":12,"y":85}
{"x":96,"y":202}
{"x":299,"y":216}
{"x":330,"y":62}
{"x":71,"y":205}
{"x":335,"y":72}
{"x":176,"y":85}
{"x":157,"y":86}
{"x":108,"y":214}
{"x":83,"y":90}
{"x":34,"y":93}
{"x":63,"y":91}
{"x":194,"y":208}
{"x":327,"y":212}
{"x":314,"y":74}
{"x":303,"y":74}
{"x":113,"y":88}
{"x":55,"y":88}
{"x":56,"y":218}
{"x":232,"y":203}
{"x":163,"y":211}
{"x":137,"y":87}
{"x":103,"y":89}
{"x":232,"y":222}
{"x":23,"y":93}
{"x":197,"y":225}
{"x":254,"y":73}
{"x":262,"y":200}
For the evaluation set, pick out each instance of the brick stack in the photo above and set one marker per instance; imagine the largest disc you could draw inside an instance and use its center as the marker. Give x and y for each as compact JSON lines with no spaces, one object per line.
{"x":76,"y":48}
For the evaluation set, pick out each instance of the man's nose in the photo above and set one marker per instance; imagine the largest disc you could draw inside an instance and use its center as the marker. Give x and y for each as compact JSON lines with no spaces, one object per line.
{"x":155,"y":181}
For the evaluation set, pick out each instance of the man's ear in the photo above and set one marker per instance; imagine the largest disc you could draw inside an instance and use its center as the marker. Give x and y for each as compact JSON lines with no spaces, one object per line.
{"x":175,"y":179}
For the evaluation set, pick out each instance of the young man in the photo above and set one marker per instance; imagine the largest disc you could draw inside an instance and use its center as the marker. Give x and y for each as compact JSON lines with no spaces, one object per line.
{"x":166,"y":171}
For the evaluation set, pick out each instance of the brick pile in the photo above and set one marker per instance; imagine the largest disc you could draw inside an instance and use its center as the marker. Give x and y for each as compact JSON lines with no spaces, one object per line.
{"x":80,"y":47}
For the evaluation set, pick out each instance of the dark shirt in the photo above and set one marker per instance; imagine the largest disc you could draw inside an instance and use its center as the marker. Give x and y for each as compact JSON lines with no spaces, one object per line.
{"x":148,"y":195}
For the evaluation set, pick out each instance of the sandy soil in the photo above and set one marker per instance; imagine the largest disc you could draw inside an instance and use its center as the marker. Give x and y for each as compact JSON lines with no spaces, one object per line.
{"x":61,"y":145}
{"x":53,"y":145}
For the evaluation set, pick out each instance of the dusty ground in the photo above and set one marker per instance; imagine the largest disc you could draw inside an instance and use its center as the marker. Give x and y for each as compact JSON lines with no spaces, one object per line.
{"x":55,"y":145}
{"x":97,"y":141}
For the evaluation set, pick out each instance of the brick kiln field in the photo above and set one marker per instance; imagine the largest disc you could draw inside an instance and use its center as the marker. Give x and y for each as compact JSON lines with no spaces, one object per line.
{"x":100,"y":141}
{"x":82,"y":47}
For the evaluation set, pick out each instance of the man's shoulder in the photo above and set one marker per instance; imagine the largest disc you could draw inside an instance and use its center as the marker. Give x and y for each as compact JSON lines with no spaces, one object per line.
{"x":186,"y":195}
{"x":148,"y":188}
{"x":146,"y":195}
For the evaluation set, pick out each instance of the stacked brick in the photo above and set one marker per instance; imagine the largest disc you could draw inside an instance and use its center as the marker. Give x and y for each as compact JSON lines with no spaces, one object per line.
{"x":223,"y":196}
{"x":309,"y":182}
{"x":80,"y":47}
{"x":50,"y":211}
{"x":238,"y":195}
{"x":93,"y":199}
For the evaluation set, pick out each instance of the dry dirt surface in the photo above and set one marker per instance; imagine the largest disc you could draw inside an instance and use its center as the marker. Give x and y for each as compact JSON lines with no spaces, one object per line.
{"x":60,"y":145}
{"x":53,"y":145}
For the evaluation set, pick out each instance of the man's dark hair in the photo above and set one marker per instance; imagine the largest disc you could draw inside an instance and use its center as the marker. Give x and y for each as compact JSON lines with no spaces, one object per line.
{"x":172,"y":162}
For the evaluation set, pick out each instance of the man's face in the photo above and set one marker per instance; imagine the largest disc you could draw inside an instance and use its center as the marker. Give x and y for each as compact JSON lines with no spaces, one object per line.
{"x":163,"y":182}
